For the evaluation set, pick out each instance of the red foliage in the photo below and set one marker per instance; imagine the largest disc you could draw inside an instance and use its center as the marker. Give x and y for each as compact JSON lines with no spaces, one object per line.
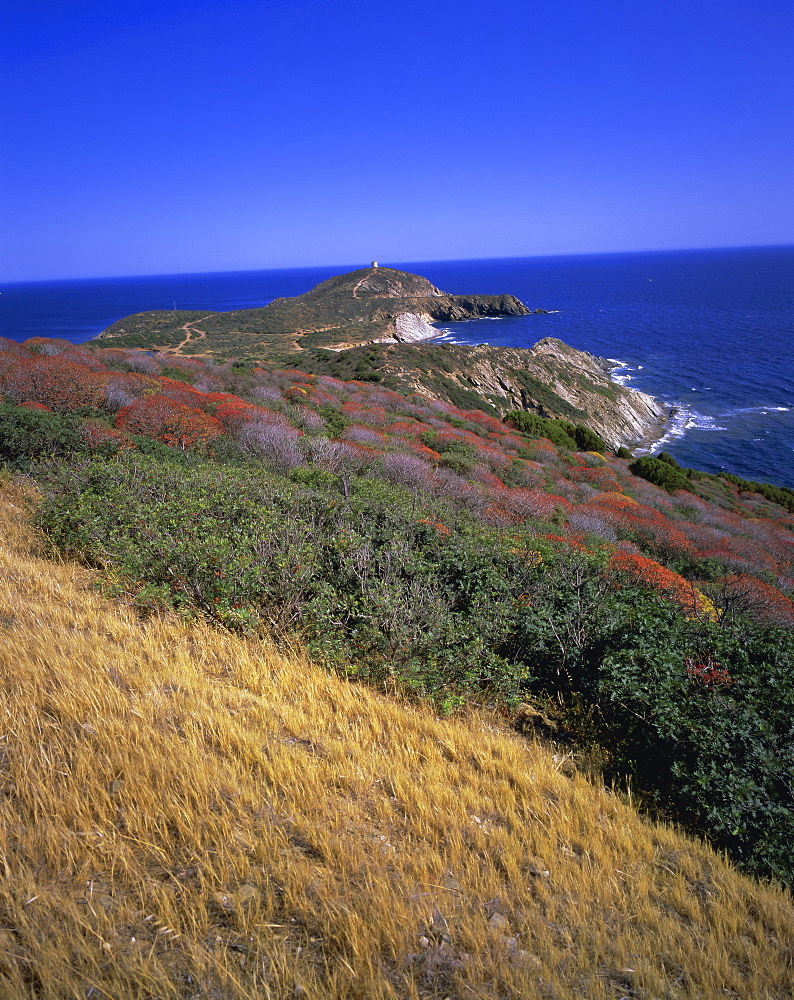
{"x":181,"y":392}
{"x":86,"y":358}
{"x":172,"y":423}
{"x":404,"y":428}
{"x":491,"y":424}
{"x":11,"y":348}
{"x":97,"y":434}
{"x":35,"y":406}
{"x":233,"y":412}
{"x":440,"y":528}
{"x":484,"y":475}
{"x":523,"y":503}
{"x":707,"y":672}
{"x":651,"y":574}
{"x":751,"y":595}
{"x":297,"y":393}
{"x":60,"y":385}
{"x":416,"y":448}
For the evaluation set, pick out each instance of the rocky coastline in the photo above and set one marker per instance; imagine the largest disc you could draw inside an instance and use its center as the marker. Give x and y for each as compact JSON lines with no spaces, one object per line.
{"x":378,"y":323}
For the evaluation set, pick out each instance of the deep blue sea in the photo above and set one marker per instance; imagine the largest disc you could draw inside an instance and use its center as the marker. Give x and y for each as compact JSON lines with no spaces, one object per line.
{"x":708,"y":331}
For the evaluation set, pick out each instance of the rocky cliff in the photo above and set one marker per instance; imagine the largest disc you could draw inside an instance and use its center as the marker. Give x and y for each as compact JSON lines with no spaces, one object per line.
{"x":550,"y":378}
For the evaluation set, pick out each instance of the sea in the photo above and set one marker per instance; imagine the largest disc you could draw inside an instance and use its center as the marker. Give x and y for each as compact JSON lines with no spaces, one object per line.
{"x":709,"y":332}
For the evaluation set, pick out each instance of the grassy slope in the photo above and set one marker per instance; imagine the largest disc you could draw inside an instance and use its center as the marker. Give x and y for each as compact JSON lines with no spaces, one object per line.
{"x":187,"y":815}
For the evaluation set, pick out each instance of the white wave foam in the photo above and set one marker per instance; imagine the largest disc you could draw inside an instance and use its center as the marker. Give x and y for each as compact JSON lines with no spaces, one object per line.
{"x":763,"y":410}
{"x":683,"y":419}
{"x":619,"y":372}
{"x":449,"y":337}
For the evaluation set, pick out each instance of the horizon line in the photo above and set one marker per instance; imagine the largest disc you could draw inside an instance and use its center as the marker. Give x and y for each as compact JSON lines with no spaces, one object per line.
{"x":435,"y":260}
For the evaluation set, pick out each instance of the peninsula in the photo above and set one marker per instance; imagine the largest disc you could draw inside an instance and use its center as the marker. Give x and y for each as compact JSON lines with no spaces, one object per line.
{"x":370,"y":305}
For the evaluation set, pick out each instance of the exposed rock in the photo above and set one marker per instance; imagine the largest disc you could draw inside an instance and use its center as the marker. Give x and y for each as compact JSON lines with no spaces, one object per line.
{"x":499,"y":922}
{"x":409,"y":327}
{"x":550,"y":378}
{"x":439,"y":928}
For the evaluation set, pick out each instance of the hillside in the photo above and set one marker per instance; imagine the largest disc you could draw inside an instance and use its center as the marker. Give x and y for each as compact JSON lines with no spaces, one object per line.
{"x":371,"y":324}
{"x":188,"y":814}
{"x":442,"y":553}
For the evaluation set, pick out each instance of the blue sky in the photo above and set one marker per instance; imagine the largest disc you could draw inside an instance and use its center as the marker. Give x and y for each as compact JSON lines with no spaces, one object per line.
{"x":155,"y":137}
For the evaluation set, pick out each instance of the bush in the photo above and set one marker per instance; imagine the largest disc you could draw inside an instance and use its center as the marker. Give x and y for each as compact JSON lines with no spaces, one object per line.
{"x":335,"y":422}
{"x":708,"y":743}
{"x":420,"y":599}
{"x":30,"y":434}
{"x":400,"y":588}
{"x":661,"y":472}
{"x":587,"y":440}
{"x":536,"y":426}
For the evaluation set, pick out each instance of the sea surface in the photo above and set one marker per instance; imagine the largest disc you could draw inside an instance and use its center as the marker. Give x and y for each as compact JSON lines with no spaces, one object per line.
{"x":710,"y":332}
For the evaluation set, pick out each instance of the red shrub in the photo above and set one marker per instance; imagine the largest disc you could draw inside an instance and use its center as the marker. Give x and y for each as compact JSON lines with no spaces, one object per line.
{"x":11,"y":348}
{"x":404,"y":428}
{"x":523,"y":503}
{"x":740,"y":592}
{"x":651,"y":574}
{"x":181,"y":392}
{"x":297,"y":393}
{"x":418,"y":449}
{"x":482,"y":474}
{"x":61,"y":385}
{"x":97,"y":434}
{"x":706,"y":672}
{"x":172,"y":423}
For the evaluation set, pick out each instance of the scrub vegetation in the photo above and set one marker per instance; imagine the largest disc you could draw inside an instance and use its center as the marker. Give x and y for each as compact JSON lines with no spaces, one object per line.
{"x":198,"y":807}
{"x":186,"y":813}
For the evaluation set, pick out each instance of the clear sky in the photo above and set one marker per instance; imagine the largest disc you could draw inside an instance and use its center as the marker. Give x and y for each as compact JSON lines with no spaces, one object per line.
{"x":158,"y":136}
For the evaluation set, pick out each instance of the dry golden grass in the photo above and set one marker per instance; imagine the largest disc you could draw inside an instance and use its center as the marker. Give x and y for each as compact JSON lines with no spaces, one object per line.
{"x":187,"y":815}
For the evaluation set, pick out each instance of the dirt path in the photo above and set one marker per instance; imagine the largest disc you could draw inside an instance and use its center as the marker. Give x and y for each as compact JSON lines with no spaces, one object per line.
{"x":360,"y":282}
{"x":190,"y":329}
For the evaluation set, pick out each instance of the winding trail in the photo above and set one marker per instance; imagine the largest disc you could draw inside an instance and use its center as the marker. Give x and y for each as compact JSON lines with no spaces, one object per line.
{"x":190,"y":329}
{"x":361,"y":281}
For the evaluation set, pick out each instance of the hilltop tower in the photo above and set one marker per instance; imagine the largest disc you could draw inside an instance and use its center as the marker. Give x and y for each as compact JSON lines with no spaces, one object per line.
{"x":374,"y":264}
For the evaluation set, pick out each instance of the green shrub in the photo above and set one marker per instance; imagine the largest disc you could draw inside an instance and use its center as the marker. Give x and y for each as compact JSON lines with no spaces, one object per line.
{"x":30,"y":434}
{"x":177,"y":374}
{"x":777,"y":494}
{"x":335,"y":421}
{"x":536,"y":426}
{"x":587,"y":440}
{"x":661,"y":472}
{"x":416,"y":596}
